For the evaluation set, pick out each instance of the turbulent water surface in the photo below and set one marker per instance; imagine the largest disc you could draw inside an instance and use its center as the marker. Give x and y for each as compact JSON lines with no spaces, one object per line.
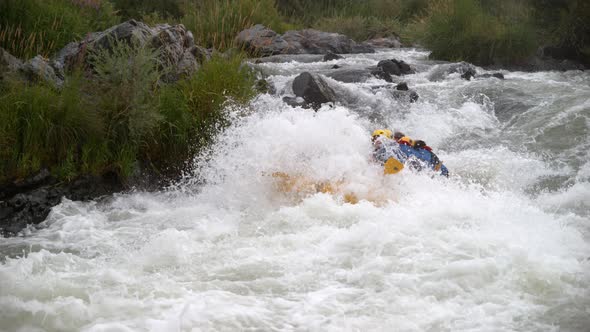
{"x":503,"y":244}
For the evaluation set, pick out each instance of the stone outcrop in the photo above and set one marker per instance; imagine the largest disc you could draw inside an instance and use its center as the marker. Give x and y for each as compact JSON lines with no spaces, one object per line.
{"x":176,"y":46}
{"x":29,"y":202}
{"x":262,"y":41}
{"x":395,"y":67}
{"x":313,"y":89}
{"x":388,"y":42}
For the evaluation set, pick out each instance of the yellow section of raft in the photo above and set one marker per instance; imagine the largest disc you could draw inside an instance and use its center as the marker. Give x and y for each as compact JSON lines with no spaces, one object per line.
{"x":300,"y":184}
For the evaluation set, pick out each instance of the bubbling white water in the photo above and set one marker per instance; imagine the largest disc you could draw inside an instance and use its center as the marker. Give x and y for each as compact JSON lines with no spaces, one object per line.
{"x":226,"y":251}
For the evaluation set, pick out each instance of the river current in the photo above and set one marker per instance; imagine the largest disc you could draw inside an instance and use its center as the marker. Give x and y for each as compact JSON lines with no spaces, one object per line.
{"x":503,"y":244}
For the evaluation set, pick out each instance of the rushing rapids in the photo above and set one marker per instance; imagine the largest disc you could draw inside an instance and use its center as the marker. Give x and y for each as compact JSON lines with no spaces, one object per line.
{"x":503,"y":244}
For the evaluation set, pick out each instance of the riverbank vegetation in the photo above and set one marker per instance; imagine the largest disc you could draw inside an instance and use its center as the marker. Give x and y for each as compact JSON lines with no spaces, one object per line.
{"x":118,"y":113}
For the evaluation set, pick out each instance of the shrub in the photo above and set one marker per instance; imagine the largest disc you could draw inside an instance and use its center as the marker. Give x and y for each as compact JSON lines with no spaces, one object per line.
{"x":42,"y":127}
{"x":462,"y":30}
{"x":123,"y":90}
{"x":32,"y":27}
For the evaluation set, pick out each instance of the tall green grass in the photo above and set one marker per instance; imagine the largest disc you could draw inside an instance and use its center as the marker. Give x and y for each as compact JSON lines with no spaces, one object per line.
{"x":217,"y":23}
{"x":31,"y":27}
{"x":462,"y":30}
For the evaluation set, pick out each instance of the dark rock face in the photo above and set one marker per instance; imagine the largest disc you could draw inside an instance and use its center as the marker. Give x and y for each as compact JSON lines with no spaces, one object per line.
{"x":395,"y":67}
{"x":496,"y":75}
{"x":403,"y":86}
{"x":331,"y":56}
{"x":313,"y":89}
{"x":30,"y":201}
{"x":261,"y":41}
{"x":382,"y":74}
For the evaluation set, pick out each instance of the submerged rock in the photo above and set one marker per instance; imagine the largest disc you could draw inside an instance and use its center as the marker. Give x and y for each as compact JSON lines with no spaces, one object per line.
{"x":262,"y":41}
{"x":466,"y":70}
{"x":332,"y":56}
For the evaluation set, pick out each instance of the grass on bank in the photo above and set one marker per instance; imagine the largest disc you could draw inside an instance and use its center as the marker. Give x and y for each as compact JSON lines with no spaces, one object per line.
{"x":457,"y":30}
{"x":119,"y":116}
{"x":31,"y":27}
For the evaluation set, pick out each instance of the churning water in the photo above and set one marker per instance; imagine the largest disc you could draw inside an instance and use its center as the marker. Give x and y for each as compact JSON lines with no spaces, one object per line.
{"x":501,"y":245}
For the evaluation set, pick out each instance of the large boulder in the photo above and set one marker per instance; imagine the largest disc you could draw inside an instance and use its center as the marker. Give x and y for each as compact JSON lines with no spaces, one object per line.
{"x":395,"y":67}
{"x":313,"y":89}
{"x":175,"y":44}
{"x":261,"y":41}
{"x":39,"y":69}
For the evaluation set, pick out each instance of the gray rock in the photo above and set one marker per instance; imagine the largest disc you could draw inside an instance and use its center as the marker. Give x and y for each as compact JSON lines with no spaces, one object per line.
{"x":30,"y":203}
{"x":380,"y":73}
{"x":313,"y":89}
{"x":409,"y":96}
{"x":261,"y":41}
{"x":389,"y":67}
{"x":402,"y":86}
{"x":39,"y":69}
{"x":332,"y":56}
{"x":347,"y":75}
{"x":8,"y":62}
{"x":495,"y":75}
{"x":175,"y":44}
{"x":466,"y":70}
{"x":389,"y":42}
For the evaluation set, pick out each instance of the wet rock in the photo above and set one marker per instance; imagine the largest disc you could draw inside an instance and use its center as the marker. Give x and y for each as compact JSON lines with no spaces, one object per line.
{"x":403,"y":86}
{"x":313,"y":89}
{"x":295,"y":101}
{"x":263,"y":86}
{"x":380,"y":73}
{"x":389,"y":42}
{"x":466,"y":70}
{"x":336,"y":67}
{"x":496,"y":75}
{"x":39,"y":69}
{"x":395,"y":67}
{"x":409,"y":96}
{"x":262,"y":41}
{"x":29,"y":202}
{"x":389,"y":67}
{"x":348,"y":75}
{"x":332,"y":56}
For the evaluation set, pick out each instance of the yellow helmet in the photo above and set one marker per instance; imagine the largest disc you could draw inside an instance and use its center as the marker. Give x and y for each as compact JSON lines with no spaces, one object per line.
{"x":382,"y":132}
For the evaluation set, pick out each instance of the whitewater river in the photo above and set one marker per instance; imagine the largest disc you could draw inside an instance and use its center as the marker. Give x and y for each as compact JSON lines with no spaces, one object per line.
{"x":503,"y":244}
